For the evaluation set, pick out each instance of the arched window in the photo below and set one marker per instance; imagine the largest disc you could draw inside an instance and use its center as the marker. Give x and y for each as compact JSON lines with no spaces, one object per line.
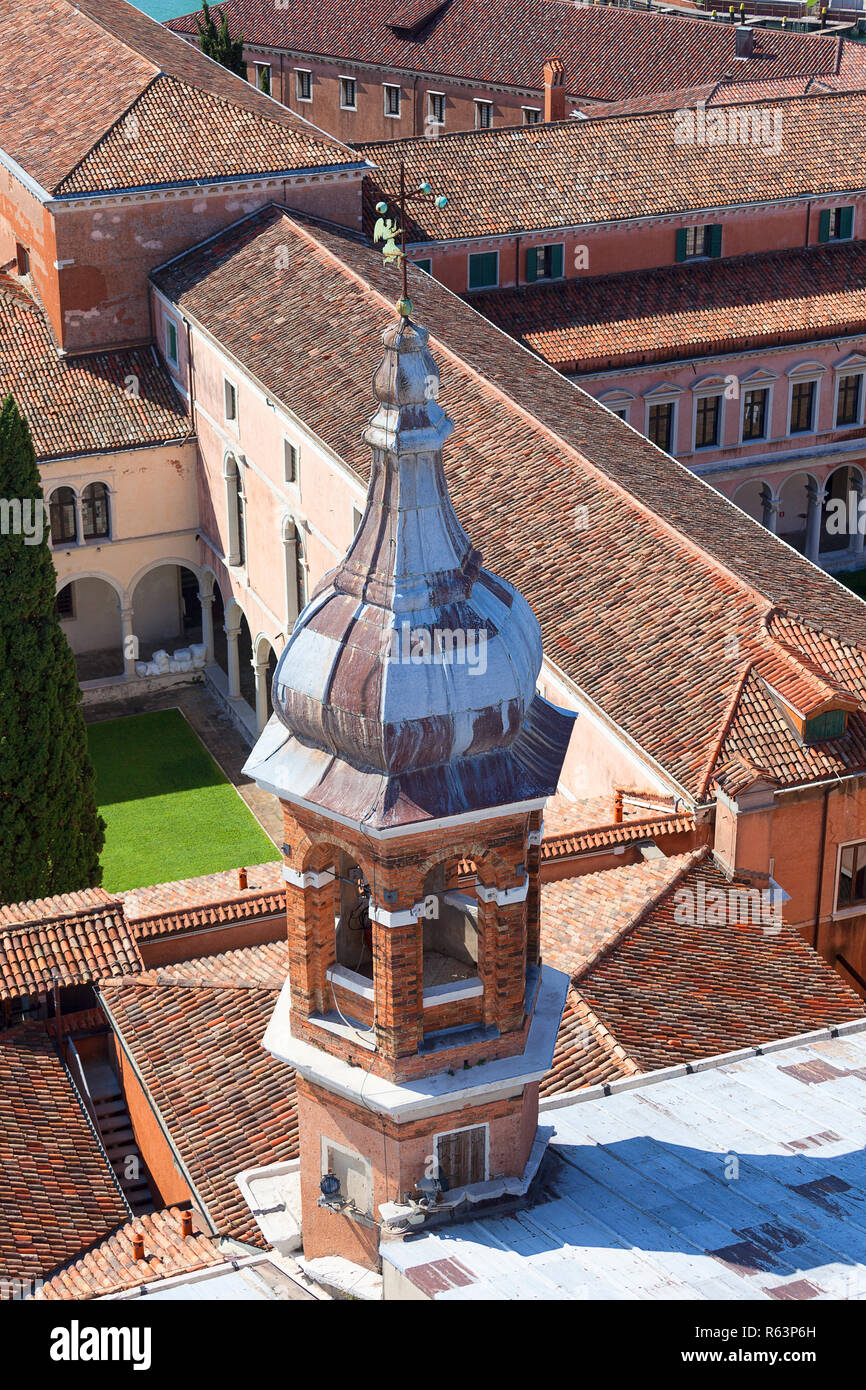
{"x":64,"y":524}
{"x":235,"y":511}
{"x":296,"y":575}
{"x":94,"y":511}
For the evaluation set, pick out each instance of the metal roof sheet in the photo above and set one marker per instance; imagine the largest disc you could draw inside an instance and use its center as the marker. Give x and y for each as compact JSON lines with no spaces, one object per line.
{"x":743,"y":1180}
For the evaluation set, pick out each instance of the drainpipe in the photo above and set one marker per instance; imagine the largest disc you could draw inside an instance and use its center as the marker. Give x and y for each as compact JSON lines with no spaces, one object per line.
{"x":821,"y":868}
{"x":415,"y":105}
{"x":808,"y":219}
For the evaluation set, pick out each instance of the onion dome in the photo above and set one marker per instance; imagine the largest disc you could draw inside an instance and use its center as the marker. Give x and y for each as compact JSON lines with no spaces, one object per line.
{"x":409,"y":654}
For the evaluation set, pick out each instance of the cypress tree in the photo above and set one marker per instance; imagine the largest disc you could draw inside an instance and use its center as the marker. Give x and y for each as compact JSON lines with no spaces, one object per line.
{"x":50,"y":832}
{"x":218,"y":44}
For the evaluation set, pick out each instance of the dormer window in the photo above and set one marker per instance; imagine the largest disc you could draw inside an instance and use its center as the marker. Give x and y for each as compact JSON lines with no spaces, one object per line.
{"x":836,"y":224}
{"x":831,"y":724}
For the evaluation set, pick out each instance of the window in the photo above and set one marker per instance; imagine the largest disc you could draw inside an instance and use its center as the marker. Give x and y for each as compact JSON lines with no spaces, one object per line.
{"x":695,"y":242}
{"x":661,"y":425}
{"x":94,"y":512}
{"x":263,"y":77}
{"x":296,"y":579}
{"x":426,"y":264}
{"x":392,"y":100}
{"x":22,"y":259}
{"x":483,"y":115}
{"x":64,"y":522}
{"x":852,"y":875}
{"x":436,"y":108}
{"x":622,"y":414}
{"x":171,"y":341}
{"x":831,"y":724}
{"x":483,"y":270}
{"x":848,"y":400}
{"x":755,"y":413}
{"x":531,"y":115}
{"x":291,"y":458}
{"x":836,"y":224}
{"x":348,"y":94}
{"x":303,"y":85}
{"x":230,"y":401}
{"x":802,"y":406}
{"x":462,"y":1155}
{"x":63,"y":605}
{"x":708,"y":411}
{"x":544,"y":263}
{"x":236,"y":503}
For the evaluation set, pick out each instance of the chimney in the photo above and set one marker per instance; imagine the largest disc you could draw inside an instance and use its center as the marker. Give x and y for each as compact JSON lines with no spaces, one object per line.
{"x":617,"y":808}
{"x":554,"y":90}
{"x":138,"y":1247}
{"x":242,"y":878}
{"x":186,"y":1224}
{"x":745,"y":41}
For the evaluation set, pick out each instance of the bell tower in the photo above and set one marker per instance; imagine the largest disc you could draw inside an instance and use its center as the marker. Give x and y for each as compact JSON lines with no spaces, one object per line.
{"x":412,"y":757}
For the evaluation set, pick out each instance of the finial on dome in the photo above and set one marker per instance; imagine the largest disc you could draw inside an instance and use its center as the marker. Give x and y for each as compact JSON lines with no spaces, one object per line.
{"x":387,"y":230}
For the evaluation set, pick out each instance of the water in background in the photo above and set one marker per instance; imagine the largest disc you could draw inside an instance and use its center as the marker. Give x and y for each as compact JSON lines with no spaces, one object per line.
{"x":166,"y":9}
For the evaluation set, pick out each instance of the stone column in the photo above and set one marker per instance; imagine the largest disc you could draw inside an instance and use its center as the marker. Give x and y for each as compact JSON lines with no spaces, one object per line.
{"x":261,"y":673}
{"x":397,"y":969}
{"x":233,"y":663}
{"x":206,"y":601}
{"x":128,"y":642}
{"x":816,"y":494}
{"x":770,"y":509}
{"x":858,"y":538}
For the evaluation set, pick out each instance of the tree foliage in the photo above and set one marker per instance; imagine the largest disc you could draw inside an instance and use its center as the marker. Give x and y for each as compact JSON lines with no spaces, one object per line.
{"x":51,"y":834}
{"x":218,"y":44}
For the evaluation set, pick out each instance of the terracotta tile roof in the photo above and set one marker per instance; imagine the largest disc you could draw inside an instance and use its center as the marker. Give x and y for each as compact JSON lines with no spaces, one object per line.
{"x":96,"y":96}
{"x":225,"y":1101}
{"x":209,"y":900}
{"x":625,"y":833}
{"x":111,"y":1267}
{"x":81,"y":405}
{"x":608,"y":53}
{"x":672,"y":992}
{"x":264,"y":966}
{"x":83,"y":946}
{"x":580,"y":915}
{"x":638,"y":606}
{"x":697,"y":310}
{"x":585,"y":1053}
{"x":58,"y":1194}
{"x":523,"y":178}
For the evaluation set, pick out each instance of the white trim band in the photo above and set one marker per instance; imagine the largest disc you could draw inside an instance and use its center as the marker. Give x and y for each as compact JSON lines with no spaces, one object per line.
{"x":309,"y":879}
{"x":503,"y":897}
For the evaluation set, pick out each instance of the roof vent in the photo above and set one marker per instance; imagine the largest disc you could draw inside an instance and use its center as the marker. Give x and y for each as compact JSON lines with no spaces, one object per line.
{"x":745,"y":41}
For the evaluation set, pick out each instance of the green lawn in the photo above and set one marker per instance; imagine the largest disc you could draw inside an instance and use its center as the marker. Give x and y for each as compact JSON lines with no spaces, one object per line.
{"x":169,"y":811}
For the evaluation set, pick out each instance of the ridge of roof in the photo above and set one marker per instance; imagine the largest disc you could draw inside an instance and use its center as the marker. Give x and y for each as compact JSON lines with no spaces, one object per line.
{"x":691,"y":859}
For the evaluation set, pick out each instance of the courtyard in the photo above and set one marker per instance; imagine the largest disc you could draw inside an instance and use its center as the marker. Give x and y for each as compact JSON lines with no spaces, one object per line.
{"x":170,"y":810}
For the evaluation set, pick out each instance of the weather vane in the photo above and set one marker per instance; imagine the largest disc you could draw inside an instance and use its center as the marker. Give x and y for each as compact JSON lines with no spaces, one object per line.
{"x":387,"y":231}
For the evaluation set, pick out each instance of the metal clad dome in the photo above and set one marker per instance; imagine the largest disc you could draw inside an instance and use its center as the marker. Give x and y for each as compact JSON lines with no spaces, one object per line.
{"x":409,"y":654}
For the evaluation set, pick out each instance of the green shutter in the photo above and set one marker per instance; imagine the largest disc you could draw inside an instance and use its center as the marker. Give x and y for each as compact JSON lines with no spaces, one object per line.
{"x":556,"y":260}
{"x":426,"y":265}
{"x":846,"y":221}
{"x":531,"y":265}
{"x":716,"y":239}
{"x":681,"y":244}
{"x":483,"y":270}
{"x":824,"y":226}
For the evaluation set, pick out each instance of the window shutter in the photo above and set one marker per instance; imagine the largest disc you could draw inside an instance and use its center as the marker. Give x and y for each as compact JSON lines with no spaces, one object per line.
{"x":846,"y":222}
{"x":824,"y":225}
{"x":531,"y":265}
{"x":556,"y":260}
{"x":716,"y":239}
{"x":681,"y":244}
